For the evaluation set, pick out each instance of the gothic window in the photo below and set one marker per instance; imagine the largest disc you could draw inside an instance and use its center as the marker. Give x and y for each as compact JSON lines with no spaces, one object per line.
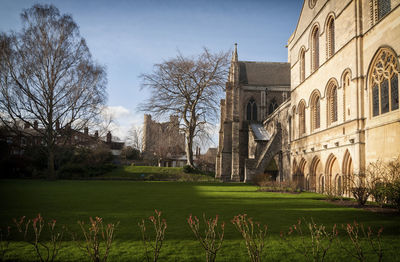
{"x":302,"y":119}
{"x":384,"y":82}
{"x":332,"y":103}
{"x":302,"y":65}
{"x":315,"y":112}
{"x":272,"y":106}
{"x":330,"y":37}
{"x":251,"y":110}
{"x":315,"y":49}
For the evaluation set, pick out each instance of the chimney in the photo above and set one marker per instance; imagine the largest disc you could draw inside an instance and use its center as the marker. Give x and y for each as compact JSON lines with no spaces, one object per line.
{"x":35,"y":124}
{"x":109,"y":137}
{"x":86,"y":131}
{"x":96,"y":134}
{"x":26,"y":125}
{"x":57,"y":125}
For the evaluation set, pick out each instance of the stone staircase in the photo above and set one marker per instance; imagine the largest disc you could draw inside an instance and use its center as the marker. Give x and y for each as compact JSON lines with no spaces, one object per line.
{"x":256,"y":166}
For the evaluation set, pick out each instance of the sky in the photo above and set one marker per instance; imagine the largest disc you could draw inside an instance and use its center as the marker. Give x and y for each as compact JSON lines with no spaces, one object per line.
{"x":129,"y":37}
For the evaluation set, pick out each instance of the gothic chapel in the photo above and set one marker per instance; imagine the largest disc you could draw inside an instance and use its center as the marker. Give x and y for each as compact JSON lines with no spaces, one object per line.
{"x":342,"y":110}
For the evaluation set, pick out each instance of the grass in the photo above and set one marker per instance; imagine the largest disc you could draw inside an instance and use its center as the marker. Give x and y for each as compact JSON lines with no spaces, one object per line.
{"x":130,"y":201}
{"x":151,"y":173}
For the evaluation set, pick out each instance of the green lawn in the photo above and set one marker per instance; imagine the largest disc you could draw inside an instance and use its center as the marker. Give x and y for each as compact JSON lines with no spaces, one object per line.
{"x":130,"y":201}
{"x":150,"y":173}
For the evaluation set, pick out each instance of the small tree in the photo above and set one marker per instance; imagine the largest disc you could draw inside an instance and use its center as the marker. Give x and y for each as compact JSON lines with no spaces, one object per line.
{"x":190,"y":88}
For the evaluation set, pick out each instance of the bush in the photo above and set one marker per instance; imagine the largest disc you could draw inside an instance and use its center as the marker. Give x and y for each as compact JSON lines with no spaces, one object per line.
{"x":379,"y":193}
{"x":188,"y":169}
{"x":361,"y":194}
{"x":393,"y":193}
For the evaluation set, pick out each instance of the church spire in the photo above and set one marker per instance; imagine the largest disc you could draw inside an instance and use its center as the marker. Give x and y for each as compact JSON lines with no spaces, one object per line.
{"x":235,"y":54}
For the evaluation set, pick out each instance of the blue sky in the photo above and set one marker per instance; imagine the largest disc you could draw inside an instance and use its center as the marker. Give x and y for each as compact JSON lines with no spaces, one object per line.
{"x":128,"y":37}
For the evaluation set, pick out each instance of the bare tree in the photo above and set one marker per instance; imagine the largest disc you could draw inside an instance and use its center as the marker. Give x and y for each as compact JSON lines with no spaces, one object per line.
{"x":48,"y":75}
{"x":189,"y":87}
{"x":135,"y":137}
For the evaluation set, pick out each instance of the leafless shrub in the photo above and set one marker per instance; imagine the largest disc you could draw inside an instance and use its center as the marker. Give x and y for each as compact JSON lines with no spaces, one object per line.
{"x":97,"y":238}
{"x":211,"y":241}
{"x":45,"y":251}
{"x":313,"y":246}
{"x":360,"y":239}
{"x":254,"y":235}
{"x":159,"y":225}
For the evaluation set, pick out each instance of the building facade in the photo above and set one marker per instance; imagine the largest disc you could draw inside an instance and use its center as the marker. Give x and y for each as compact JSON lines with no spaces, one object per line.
{"x":344,"y":98}
{"x":253,"y":91}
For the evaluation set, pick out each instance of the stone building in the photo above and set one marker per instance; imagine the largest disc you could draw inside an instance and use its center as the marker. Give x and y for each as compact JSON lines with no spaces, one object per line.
{"x":343,"y":111}
{"x":253,"y":91}
{"x":163,"y":141}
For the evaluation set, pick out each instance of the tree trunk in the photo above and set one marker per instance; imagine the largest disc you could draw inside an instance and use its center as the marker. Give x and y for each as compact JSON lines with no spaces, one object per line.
{"x":50,"y":165}
{"x":189,"y":147}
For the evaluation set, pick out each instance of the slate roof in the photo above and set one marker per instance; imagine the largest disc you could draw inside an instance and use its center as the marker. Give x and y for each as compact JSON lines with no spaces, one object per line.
{"x":264,"y":73}
{"x":260,"y":133}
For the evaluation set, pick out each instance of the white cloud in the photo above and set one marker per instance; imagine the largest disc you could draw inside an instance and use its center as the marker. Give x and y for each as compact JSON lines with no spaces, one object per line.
{"x":122,"y":120}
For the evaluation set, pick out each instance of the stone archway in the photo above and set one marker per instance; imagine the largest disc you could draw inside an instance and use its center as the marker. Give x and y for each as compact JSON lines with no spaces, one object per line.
{"x":333,"y":175}
{"x":347,"y":172}
{"x":316,"y":172}
{"x":301,"y":173}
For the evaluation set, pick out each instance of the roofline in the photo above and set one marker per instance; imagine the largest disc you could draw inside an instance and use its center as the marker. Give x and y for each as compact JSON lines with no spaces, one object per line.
{"x":263,"y":62}
{"x":292,"y":36}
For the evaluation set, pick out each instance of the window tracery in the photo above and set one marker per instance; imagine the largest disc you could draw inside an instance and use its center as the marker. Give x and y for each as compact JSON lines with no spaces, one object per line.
{"x":384,"y":82}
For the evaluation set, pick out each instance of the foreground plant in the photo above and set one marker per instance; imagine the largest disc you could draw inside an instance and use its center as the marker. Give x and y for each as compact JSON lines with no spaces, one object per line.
{"x":211,"y":241}
{"x":253,"y":234}
{"x":153,"y":246}
{"x":360,"y":239}
{"x":44,"y":251}
{"x":98,"y":238}
{"x":314,"y":246}
{"x":4,"y":242}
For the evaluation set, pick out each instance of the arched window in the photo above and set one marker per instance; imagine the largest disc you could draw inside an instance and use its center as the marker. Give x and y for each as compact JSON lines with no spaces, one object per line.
{"x":293,"y":122}
{"x":272,"y":106}
{"x":302,"y":119}
{"x":315,"y":49}
{"x":330,"y":37}
{"x":384,"y":82}
{"x":251,"y":110}
{"x":346,"y":96}
{"x":332,"y":103}
{"x":315,"y":112}
{"x":302,"y":57}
